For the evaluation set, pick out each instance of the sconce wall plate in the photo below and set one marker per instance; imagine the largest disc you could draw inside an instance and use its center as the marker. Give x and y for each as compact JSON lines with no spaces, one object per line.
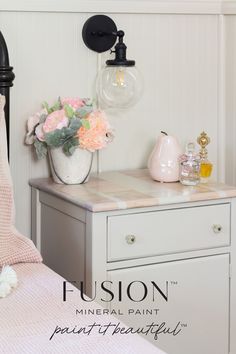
{"x":99,"y":33}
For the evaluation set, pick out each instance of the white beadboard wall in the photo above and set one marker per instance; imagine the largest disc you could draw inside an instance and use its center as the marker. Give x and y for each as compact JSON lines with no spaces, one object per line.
{"x":230,"y":44}
{"x":178,"y":47}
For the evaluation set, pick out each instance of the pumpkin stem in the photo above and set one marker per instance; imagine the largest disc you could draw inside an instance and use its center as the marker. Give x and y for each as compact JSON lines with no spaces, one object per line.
{"x":164,"y":133}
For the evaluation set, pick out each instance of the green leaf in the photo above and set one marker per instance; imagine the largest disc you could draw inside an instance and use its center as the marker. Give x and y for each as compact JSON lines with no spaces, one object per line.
{"x":41,"y":149}
{"x":57,"y":106}
{"x":83,"y":111}
{"x":69,"y":111}
{"x":70,"y":146}
{"x":75,"y":124}
{"x":59,"y":136}
{"x":85,"y":123}
{"x":46,"y":106}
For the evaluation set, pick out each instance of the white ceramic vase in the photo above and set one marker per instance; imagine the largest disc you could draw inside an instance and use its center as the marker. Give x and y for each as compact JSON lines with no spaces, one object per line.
{"x":73,"y":169}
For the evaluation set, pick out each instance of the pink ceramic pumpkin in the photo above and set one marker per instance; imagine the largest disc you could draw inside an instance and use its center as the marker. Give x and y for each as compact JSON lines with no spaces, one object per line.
{"x":163,"y":162}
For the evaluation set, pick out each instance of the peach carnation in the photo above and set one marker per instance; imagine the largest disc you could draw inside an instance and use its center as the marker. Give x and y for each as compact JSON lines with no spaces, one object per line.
{"x":73,"y":102}
{"x":96,"y":137}
{"x":55,"y":120}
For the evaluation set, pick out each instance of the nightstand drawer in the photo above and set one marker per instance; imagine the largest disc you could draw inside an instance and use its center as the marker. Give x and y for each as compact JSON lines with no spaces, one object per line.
{"x":162,"y":232}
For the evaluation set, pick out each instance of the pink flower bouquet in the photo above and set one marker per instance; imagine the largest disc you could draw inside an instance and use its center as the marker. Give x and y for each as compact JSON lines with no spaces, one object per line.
{"x":70,"y":123}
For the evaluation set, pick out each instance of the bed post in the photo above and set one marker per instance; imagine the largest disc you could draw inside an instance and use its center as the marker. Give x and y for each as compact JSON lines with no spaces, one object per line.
{"x":6,"y":81}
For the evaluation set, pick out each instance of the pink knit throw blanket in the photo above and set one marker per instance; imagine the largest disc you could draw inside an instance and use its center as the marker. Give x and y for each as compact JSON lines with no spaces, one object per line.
{"x":14,"y":248}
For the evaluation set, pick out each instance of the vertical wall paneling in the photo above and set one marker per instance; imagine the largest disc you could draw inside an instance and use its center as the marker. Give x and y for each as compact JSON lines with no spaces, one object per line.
{"x":230,"y":121}
{"x":179,"y":49}
{"x":221,"y":100}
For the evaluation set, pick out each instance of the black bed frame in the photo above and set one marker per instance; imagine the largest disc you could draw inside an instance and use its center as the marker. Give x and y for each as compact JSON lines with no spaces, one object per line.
{"x":6,"y":81}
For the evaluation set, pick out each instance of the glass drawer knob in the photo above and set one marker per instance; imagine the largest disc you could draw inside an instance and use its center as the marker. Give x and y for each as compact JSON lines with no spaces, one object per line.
{"x":217,"y":228}
{"x":130,"y":239}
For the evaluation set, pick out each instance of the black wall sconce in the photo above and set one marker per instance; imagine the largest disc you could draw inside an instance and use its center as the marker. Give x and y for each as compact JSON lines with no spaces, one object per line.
{"x":119,"y":84}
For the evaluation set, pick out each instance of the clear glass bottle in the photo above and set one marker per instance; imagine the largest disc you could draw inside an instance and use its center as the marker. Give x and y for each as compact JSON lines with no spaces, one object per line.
{"x":205,"y":165}
{"x":190,"y":166}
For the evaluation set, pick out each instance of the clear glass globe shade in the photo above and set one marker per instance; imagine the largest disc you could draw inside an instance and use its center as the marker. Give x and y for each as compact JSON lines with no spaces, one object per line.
{"x":119,"y":86}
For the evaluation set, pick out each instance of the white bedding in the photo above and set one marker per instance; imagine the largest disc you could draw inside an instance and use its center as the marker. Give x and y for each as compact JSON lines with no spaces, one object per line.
{"x":32,"y":312}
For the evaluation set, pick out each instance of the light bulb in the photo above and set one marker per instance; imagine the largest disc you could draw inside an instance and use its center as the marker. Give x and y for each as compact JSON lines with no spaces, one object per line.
{"x":120,"y":77}
{"x":119,"y":86}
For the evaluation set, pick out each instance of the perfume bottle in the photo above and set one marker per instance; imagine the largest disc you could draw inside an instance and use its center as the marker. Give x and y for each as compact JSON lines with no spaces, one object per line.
{"x":190,"y":166}
{"x":205,"y":165}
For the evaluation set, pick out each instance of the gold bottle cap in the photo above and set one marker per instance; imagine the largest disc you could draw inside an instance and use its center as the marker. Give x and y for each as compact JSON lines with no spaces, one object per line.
{"x":203,"y":140}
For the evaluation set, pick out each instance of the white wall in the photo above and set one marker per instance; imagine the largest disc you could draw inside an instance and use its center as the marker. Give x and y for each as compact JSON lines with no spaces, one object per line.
{"x":230,"y":29}
{"x":178,"y":47}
